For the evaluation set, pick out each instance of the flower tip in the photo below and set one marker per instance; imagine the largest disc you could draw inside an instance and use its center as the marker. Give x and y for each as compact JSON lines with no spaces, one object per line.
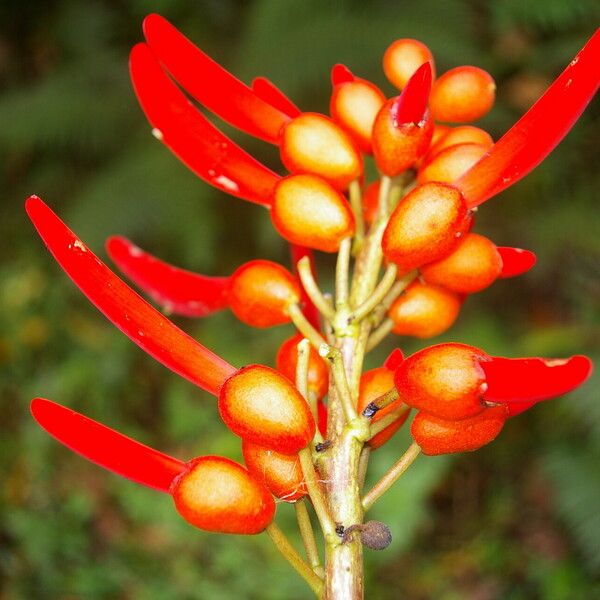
{"x":32,"y":203}
{"x":151,"y":20}
{"x":515,"y":261}
{"x":341,"y":74}
{"x":393,"y":361}
{"x":411,"y":105}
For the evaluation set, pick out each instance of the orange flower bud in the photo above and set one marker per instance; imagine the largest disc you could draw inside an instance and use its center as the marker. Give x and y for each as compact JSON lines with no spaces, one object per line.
{"x":318,"y":372}
{"x":281,"y":473}
{"x":424,"y":310}
{"x":354,"y":106}
{"x":397,"y":146}
{"x":425,"y":226}
{"x":402,"y":58}
{"x":472,"y":266}
{"x":445,"y":380}
{"x":463,"y":134}
{"x":261,"y":405}
{"x":375,"y":383}
{"x":438,"y":436}
{"x":313,"y":143}
{"x":462,"y":94}
{"x":260,"y":291}
{"x":307,"y":211}
{"x":451,"y":163}
{"x":216,"y":494}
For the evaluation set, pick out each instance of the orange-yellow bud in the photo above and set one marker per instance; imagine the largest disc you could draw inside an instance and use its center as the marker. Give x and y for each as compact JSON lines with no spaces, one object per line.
{"x":261,"y":405}
{"x":438,"y":436}
{"x":398,"y":146}
{"x":260,"y":291}
{"x":445,"y":380}
{"x":424,"y":310}
{"x":308,"y":211}
{"x":463,"y":134}
{"x":451,"y":163}
{"x":313,"y":143}
{"x":472,"y":266}
{"x":281,"y":473}
{"x":402,"y":58}
{"x":425,"y":226}
{"x":354,"y":106}
{"x":462,"y":94}
{"x":216,"y":494}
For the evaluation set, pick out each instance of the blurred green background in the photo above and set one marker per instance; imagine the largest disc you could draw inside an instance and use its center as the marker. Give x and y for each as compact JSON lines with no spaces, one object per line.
{"x":518,"y":520}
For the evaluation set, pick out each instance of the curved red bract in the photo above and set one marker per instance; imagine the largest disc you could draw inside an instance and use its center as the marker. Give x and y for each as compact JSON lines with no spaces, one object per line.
{"x":139,"y":321}
{"x":177,"y":290}
{"x":106,"y":447}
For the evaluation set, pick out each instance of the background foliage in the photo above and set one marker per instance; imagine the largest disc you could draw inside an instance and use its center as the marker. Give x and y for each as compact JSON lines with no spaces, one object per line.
{"x":516,"y":520}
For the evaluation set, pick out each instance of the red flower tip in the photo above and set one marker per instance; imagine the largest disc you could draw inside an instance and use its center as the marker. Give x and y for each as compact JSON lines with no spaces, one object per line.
{"x":341,"y":74}
{"x":192,"y":138}
{"x":538,"y":132}
{"x":269,"y":92}
{"x":139,"y":321}
{"x":392,"y":362}
{"x":532,"y":380}
{"x":177,"y":290}
{"x":106,"y":447}
{"x":411,"y":105}
{"x":209,"y":83}
{"x":515,"y":261}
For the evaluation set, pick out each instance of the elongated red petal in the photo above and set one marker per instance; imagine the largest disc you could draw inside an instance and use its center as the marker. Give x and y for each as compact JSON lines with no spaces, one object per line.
{"x":515,"y":261}
{"x":411,"y":105}
{"x":210,"y":84}
{"x":177,"y":290}
{"x":142,"y":323}
{"x":266,"y":90}
{"x":341,"y":74}
{"x":533,"y":379}
{"x":192,"y":138}
{"x":308,"y":308}
{"x":106,"y":447}
{"x":538,"y":132}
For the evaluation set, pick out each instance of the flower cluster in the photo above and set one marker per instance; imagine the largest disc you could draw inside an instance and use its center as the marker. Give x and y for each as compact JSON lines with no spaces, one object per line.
{"x":416,"y":221}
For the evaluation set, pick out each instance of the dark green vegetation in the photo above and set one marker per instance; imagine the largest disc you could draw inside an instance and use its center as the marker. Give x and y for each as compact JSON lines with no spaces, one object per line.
{"x":517,"y":520}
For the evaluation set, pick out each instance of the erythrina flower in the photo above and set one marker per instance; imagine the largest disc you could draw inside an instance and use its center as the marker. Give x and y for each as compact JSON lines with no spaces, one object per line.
{"x":303,"y":427}
{"x":210,"y":492}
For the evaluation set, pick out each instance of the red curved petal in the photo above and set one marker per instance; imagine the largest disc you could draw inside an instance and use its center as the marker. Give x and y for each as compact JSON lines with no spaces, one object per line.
{"x":177,"y":290}
{"x":192,"y":138}
{"x":266,"y":90}
{"x":107,"y":447}
{"x":538,"y":132}
{"x":411,"y":105}
{"x":392,"y":362}
{"x":515,"y":261}
{"x":208,"y":82}
{"x":341,"y":74}
{"x":531,"y":380}
{"x":309,"y":309}
{"x":142,"y":323}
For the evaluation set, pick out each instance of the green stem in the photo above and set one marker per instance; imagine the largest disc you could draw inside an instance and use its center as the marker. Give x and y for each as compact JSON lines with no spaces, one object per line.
{"x":386,"y":482}
{"x":303,"y":326}
{"x":341,"y":273}
{"x":316,"y":494}
{"x":308,"y":537}
{"x":379,"y":293}
{"x":312,"y":289}
{"x":291,"y":555}
{"x":339,"y":377}
{"x":357,"y":210}
{"x":380,"y":334}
